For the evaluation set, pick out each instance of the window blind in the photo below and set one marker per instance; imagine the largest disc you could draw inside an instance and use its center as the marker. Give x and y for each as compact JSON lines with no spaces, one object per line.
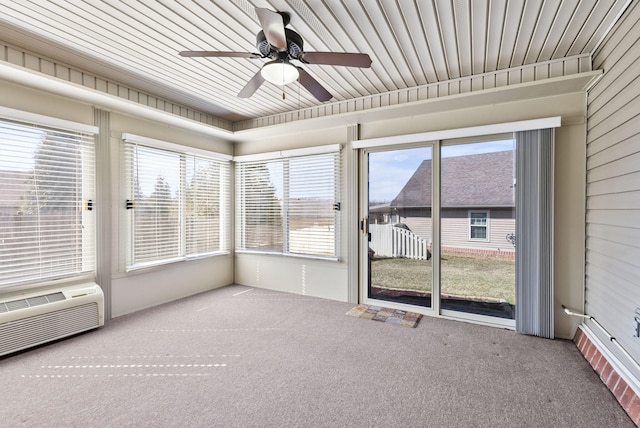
{"x":261,"y":206}
{"x":156,"y":193}
{"x":312,"y":215}
{"x":534,"y":231}
{"x":179,"y":205}
{"x":207,"y":206}
{"x":47,"y":222}
{"x":289,"y":206}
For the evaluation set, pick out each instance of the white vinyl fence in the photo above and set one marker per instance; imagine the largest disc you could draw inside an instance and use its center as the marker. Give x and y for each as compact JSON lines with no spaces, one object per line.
{"x":389,"y":241}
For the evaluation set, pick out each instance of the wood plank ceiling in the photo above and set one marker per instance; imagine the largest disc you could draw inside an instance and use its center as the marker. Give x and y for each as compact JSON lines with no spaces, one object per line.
{"x":411,"y":42}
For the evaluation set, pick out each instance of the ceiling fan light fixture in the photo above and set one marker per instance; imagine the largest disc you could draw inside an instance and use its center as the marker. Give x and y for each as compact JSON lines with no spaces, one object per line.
{"x":279,"y":72}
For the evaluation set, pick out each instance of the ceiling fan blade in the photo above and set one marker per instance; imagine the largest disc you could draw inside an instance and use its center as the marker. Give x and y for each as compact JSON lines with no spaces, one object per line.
{"x":220,"y":54}
{"x":252,"y":85}
{"x":337,"y":58}
{"x":273,"y":26}
{"x":312,"y":85}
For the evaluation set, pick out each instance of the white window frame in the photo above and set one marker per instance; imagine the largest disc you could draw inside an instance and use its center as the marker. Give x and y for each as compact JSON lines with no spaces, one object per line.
{"x":43,"y":263}
{"x":486,"y":226}
{"x":185,"y":155}
{"x":284,"y":156}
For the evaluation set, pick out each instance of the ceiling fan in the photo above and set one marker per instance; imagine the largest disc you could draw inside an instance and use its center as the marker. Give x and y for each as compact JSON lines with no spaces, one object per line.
{"x":282,"y":45}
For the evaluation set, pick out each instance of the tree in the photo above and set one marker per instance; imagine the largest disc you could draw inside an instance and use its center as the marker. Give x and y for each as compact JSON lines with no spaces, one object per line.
{"x":55,"y":184}
{"x":203,"y":179}
{"x":160,"y":199}
{"x":262,"y":210}
{"x":51,"y":206}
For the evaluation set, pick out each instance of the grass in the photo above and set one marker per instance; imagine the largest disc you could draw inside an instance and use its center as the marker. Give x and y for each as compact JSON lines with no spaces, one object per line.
{"x":468,"y":277}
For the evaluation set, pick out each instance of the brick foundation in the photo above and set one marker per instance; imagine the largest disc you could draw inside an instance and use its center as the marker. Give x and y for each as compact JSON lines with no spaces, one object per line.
{"x":479,"y":253}
{"x":625,"y":395}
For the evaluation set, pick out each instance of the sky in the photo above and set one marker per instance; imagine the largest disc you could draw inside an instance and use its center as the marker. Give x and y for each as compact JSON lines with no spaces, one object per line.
{"x":390,"y":170}
{"x":15,"y":139}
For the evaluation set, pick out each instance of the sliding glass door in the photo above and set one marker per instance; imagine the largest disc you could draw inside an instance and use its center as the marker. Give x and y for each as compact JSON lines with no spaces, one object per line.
{"x":468,"y":193}
{"x":477,"y":218}
{"x":399,"y":228}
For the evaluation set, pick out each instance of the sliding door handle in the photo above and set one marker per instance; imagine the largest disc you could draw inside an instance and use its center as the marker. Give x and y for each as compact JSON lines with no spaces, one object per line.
{"x":364,"y":225}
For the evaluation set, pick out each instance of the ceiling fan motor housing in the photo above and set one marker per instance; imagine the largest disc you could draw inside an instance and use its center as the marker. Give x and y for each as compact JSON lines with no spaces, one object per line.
{"x":294,"y":46}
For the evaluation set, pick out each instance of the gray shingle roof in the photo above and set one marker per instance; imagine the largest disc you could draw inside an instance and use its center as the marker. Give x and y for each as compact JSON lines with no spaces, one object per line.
{"x":472,"y":181}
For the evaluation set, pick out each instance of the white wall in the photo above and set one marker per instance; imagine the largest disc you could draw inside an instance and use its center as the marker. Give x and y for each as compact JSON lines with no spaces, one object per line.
{"x":569,"y":234}
{"x":319,"y":278}
{"x":613,"y":191}
{"x":132,"y":291}
{"x":316,"y":277}
{"x":138,"y":290}
{"x":34,"y":101}
{"x":129,"y":292}
{"x":308,"y":276}
{"x":332,"y":281}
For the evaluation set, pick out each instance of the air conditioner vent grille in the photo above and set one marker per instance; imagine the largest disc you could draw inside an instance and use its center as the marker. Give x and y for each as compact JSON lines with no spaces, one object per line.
{"x":38,"y":329}
{"x":30,"y":302}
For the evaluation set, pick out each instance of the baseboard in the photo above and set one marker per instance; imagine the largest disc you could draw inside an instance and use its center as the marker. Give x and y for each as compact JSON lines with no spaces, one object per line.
{"x":611,"y":372}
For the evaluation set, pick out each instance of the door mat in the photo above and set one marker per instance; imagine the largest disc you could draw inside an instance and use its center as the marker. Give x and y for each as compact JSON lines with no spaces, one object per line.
{"x":387,"y":315}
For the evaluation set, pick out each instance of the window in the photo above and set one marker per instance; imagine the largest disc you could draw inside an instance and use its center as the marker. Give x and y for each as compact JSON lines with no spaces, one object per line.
{"x":479,"y":225}
{"x":178,"y":203}
{"x":289,"y":206}
{"x":47,"y":222}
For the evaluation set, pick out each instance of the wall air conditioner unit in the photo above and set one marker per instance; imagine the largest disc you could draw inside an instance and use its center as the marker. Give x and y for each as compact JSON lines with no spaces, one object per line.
{"x":34,"y":318}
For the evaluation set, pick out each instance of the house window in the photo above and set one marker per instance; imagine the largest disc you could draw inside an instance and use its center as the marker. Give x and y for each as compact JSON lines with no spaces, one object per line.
{"x":479,"y":225}
{"x":289,"y":206}
{"x":47,"y":222}
{"x":178,"y":205}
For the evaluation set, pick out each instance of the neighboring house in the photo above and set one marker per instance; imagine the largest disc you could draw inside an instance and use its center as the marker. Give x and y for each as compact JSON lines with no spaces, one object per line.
{"x":477,"y":208}
{"x":12,"y":197}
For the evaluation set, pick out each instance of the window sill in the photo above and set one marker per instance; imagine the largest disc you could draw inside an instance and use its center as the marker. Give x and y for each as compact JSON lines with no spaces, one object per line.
{"x":294,"y":256}
{"x":58,"y":282}
{"x":167,"y":263}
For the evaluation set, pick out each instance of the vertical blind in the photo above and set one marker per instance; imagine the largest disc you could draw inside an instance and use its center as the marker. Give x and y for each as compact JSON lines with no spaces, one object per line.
{"x":534,"y":232}
{"x":47,"y":222}
{"x":289,"y":206}
{"x":179,"y":205}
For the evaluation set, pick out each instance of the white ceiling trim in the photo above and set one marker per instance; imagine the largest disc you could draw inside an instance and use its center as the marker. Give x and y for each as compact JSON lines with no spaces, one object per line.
{"x":527,"y":74}
{"x":530,"y":90}
{"x":152,"y":142}
{"x":342,"y":117}
{"x":305,"y":151}
{"x":47,"y":121}
{"x":42,"y":82}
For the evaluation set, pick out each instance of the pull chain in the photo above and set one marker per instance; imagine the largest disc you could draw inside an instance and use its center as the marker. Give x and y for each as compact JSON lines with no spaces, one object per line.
{"x":298,"y":98}
{"x":283,"y":84}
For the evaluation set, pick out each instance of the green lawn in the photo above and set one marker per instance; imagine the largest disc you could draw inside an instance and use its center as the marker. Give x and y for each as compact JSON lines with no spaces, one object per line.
{"x":469,"y":277}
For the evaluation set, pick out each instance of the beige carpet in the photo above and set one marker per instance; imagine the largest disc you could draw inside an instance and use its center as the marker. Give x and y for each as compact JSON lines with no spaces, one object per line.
{"x":243,"y":357}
